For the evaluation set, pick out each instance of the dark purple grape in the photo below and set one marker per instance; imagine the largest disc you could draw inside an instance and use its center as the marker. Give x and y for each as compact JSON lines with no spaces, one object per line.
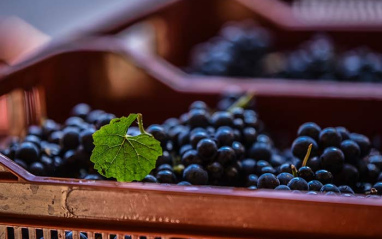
{"x":351,"y":151}
{"x":70,"y":138}
{"x":166,"y":176}
{"x":282,"y":187}
{"x":224,"y":136}
{"x":329,"y":188}
{"x":332,"y":159}
{"x":284,"y":178}
{"x":37,"y":168}
{"x":198,"y":105}
{"x":191,"y":157}
{"x":221,"y":118}
{"x":207,"y":149}
{"x":28,"y":152}
{"x":267,"y":180}
{"x":298,"y":184}
{"x":215,"y":170}
{"x":346,"y":189}
{"x":329,"y":137}
{"x":260,"y":151}
{"x":195,"y":174}
{"x":309,"y":129}
{"x":315,"y":185}
{"x":363,"y":143}
{"x":198,"y":118}
{"x":150,"y":179}
{"x":81,"y":110}
{"x":306,"y":173}
{"x":324,"y":176}
{"x":300,"y":147}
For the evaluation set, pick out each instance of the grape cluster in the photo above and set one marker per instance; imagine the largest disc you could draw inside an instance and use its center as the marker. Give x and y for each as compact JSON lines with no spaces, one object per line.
{"x":60,"y":150}
{"x":340,"y":161}
{"x":244,"y":50}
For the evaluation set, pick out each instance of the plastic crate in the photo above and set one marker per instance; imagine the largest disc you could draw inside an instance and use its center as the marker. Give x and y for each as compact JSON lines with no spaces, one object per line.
{"x":86,"y":70}
{"x":178,"y":25}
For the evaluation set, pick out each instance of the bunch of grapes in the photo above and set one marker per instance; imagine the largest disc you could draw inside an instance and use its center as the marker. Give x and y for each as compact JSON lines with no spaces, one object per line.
{"x":243,"y":49}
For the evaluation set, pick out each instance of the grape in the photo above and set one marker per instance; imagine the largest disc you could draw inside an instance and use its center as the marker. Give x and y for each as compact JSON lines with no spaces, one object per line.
{"x":324,"y":176}
{"x":329,"y":137}
{"x":306,"y":173}
{"x":309,"y":129}
{"x":70,"y":138}
{"x":332,"y":159}
{"x":224,"y":136}
{"x":35,"y":130}
{"x":300,"y":146}
{"x":207,"y":149}
{"x":315,"y":185}
{"x":196,"y":137}
{"x":215,"y":170}
{"x":329,"y":188}
{"x":221,"y":118}
{"x":298,"y":184}
{"x":184,"y":183}
{"x":260,"y":151}
{"x":346,"y":189}
{"x":166,"y":176}
{"x":268,"y":180}
{"x":195,"y":174}
{"x":27,"y":152}
{"x":198,"y":118}
{"x":351,"y":151}
{"x":150,"y":179}
{"x":363,"y":143}
{"x":284,"y":178}
{"x":282,"y":187}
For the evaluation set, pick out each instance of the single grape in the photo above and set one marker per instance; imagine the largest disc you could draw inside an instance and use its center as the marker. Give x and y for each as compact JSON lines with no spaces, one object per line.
{"x":315,"y":185}
{"x":298,"y":184}
{"x":332,"y":159}
{"x":324,"y":176}
{"x":329,"y":137}
{"x":283,"y":188}
{"x":195,"y":174}
{"x":267,"y":180}
{"x":284,"y":178}
{"x":309,"y":129}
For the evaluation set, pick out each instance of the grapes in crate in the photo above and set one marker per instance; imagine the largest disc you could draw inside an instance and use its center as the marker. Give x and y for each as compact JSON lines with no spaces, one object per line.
{"x":226,"y":147}
{"x":243,"y":49}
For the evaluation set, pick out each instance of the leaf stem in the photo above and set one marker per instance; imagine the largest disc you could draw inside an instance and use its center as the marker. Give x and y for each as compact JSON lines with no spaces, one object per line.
{"x":307,"y":155}
{"x":242,"y":101}
{"x":140,"y":124}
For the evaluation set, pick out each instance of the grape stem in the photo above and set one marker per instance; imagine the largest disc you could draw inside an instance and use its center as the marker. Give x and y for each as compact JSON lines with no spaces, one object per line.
{"x":294,"y":171}
{"x":140,"y":124}
{"x":242,"y":102}
{"x":307,"y":155}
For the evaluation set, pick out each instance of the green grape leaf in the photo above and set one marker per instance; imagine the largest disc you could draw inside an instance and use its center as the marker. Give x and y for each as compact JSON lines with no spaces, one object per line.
{"x":126,"y":158}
